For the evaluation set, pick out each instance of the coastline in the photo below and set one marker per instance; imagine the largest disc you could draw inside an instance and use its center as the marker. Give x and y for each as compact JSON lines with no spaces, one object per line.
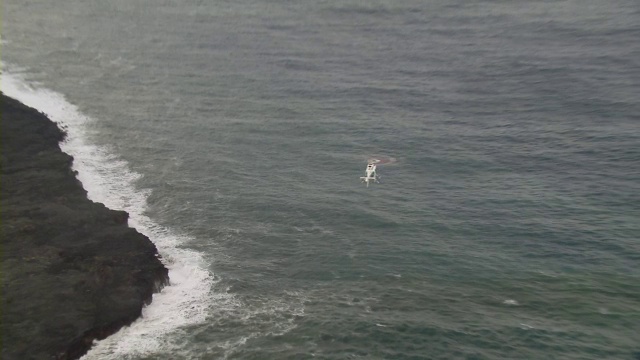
{"x":72,"y":270}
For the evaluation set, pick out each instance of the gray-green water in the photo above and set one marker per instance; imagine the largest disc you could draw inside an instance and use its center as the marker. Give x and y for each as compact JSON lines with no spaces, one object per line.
{"x":235,"y":132}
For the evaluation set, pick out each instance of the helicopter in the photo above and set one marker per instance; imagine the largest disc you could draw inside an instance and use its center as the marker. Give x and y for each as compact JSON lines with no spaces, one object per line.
{"x":370,"y":174}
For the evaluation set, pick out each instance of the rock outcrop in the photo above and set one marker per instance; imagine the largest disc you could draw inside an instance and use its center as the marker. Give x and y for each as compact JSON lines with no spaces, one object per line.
{"x":72,"y":270}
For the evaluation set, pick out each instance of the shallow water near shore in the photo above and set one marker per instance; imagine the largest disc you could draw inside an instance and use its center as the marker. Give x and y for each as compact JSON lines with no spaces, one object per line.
{"x":506,"y":222}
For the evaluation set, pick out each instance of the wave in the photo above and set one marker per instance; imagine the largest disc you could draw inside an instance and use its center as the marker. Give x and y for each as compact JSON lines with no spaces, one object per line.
{"x":109,"y":180}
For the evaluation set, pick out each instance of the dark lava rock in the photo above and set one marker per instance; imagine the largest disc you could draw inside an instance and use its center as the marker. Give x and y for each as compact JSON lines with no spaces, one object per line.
{"x":72,"y":270}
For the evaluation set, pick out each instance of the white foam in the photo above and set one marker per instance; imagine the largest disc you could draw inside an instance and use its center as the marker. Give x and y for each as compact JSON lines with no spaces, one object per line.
{"x":109,"y":180}
{"x":268,"y":317}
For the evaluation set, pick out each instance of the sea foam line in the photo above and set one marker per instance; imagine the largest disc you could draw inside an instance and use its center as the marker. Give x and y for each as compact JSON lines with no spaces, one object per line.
{"x":109,"y":180}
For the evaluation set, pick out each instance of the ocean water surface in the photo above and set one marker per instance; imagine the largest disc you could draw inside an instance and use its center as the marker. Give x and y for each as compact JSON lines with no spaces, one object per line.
{"x":507,"y":221}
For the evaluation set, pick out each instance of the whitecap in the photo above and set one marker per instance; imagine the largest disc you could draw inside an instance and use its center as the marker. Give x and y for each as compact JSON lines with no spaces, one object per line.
{"x":510,"y":302}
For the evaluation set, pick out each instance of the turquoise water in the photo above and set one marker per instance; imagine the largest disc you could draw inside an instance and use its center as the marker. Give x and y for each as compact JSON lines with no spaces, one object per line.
{"x":506,"y":228}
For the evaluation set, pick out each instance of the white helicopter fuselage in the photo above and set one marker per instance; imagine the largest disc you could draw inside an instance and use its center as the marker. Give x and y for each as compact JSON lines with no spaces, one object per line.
{"x":370,"y":174}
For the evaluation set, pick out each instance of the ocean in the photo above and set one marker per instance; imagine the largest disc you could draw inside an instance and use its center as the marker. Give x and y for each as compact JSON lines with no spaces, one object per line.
{"x":506,"y":224}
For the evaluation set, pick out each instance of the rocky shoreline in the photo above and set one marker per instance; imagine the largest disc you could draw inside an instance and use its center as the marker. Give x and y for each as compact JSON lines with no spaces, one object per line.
{"x":72,"y":269}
